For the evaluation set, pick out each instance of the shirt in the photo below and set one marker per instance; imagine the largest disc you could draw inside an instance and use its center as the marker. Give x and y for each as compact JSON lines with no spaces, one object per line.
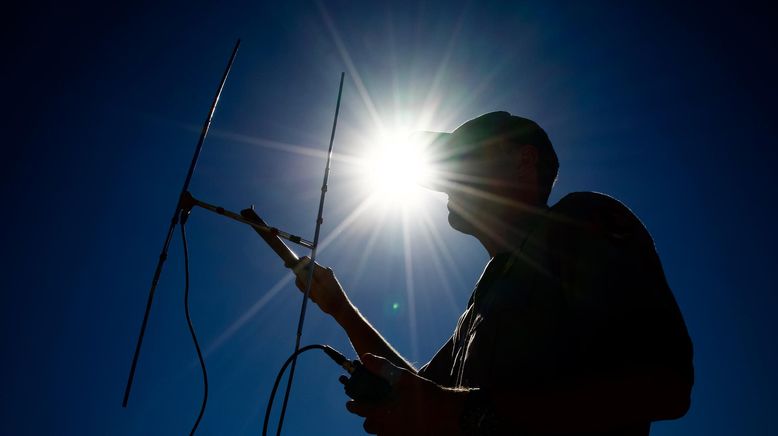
{"x":585,"y":297}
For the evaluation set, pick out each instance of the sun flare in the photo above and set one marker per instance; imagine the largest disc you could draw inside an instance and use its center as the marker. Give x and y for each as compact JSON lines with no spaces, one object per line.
{"x":396,"y":167}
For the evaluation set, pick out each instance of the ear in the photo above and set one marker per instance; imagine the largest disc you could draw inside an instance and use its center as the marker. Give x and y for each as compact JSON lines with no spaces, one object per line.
{"x":527,"y":156}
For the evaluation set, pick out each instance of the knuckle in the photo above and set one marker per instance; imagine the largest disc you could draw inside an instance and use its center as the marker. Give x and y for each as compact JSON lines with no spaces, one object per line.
{"x":370,"y":426}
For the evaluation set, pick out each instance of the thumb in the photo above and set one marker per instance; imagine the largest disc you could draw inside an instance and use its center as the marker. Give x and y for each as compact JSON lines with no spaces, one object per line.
{"x":382,"y":367}
{"x":301,"y":265}
{"x":323,"y":273}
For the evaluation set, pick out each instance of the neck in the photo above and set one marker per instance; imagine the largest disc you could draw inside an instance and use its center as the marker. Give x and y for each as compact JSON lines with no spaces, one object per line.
{"x":509,"y":231}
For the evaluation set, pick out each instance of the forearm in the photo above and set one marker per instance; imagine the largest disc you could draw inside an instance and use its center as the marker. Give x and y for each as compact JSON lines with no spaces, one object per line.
{"x":329,"y":295}
{"x":365,"y":338}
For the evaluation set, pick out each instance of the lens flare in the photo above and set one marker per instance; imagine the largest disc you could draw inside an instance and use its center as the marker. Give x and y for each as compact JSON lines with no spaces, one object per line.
{"x":396,"y":167}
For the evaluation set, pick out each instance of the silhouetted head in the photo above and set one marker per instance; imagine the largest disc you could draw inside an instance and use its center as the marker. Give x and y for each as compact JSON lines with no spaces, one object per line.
{"x":494,"y":167}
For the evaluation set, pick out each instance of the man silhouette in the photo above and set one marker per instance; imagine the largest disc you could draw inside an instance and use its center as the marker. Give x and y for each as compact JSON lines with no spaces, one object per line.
{"x":571,"y":329}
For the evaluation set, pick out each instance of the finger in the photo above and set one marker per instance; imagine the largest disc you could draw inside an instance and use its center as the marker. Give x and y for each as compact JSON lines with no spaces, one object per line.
{"x":367,"y":410}
{"x":372,"y":426}
{"x":378,"y":423}
{"x":360,"y":409}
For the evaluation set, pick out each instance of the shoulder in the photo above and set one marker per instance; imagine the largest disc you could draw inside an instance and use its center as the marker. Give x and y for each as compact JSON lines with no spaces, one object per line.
{"x":599,"y":215}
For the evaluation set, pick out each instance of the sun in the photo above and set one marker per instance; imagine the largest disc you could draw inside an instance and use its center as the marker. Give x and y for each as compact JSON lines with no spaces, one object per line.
{"x":396,"y":167}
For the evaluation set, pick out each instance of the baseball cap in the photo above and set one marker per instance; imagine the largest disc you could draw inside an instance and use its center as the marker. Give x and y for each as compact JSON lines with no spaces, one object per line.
{"x":450,"y":153}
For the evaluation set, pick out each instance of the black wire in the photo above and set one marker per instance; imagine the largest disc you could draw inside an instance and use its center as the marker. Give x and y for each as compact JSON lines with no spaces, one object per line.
{"x":278,"y":380}
{"x":189,"y":323}
{"x":334,"y":355}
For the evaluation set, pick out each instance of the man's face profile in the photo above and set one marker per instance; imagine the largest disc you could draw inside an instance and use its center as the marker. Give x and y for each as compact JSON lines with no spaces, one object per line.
{"x":486,"y":183}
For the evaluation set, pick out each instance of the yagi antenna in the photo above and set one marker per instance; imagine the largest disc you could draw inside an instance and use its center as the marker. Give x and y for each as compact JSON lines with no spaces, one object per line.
{"x":183,"y":207}
{"x":174,"y":221}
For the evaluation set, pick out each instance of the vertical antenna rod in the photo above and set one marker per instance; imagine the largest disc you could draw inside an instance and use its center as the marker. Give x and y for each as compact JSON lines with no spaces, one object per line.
{"x":312,"y":265}
{"x":173,"y":222}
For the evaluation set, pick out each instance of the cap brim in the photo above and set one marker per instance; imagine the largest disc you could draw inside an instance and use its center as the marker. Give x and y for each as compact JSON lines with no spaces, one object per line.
{"x":436,"y":146}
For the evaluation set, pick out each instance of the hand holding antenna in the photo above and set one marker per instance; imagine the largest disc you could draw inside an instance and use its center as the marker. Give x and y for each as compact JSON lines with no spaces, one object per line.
{"x":326,"y":291}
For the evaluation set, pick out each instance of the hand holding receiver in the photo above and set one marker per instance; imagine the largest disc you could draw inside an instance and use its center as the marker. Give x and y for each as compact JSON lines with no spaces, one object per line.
{"x":363,"y":385}
{"x":413,"y":405}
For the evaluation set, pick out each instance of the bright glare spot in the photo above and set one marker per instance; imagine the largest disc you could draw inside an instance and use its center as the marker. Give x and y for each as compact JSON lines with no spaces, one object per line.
{"x":396,"y":167}
{"x":395,"y":306}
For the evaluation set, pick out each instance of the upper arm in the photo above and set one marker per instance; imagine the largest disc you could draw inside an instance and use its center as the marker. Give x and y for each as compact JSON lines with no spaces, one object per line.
{"x":601,"y":314}
{"x":438,"y":369}
{"x":624,"y":317}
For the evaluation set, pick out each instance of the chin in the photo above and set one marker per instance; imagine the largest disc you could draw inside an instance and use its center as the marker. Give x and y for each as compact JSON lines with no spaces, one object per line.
{"x":458,"y":223}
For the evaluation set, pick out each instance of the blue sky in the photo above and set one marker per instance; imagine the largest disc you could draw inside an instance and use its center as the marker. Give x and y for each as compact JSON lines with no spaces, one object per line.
{"x":665,"y":106}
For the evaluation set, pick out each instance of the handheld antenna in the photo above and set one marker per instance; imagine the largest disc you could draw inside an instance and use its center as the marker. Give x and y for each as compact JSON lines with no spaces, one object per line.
{"x":312,"y":265}
{"x":174,"y":222}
